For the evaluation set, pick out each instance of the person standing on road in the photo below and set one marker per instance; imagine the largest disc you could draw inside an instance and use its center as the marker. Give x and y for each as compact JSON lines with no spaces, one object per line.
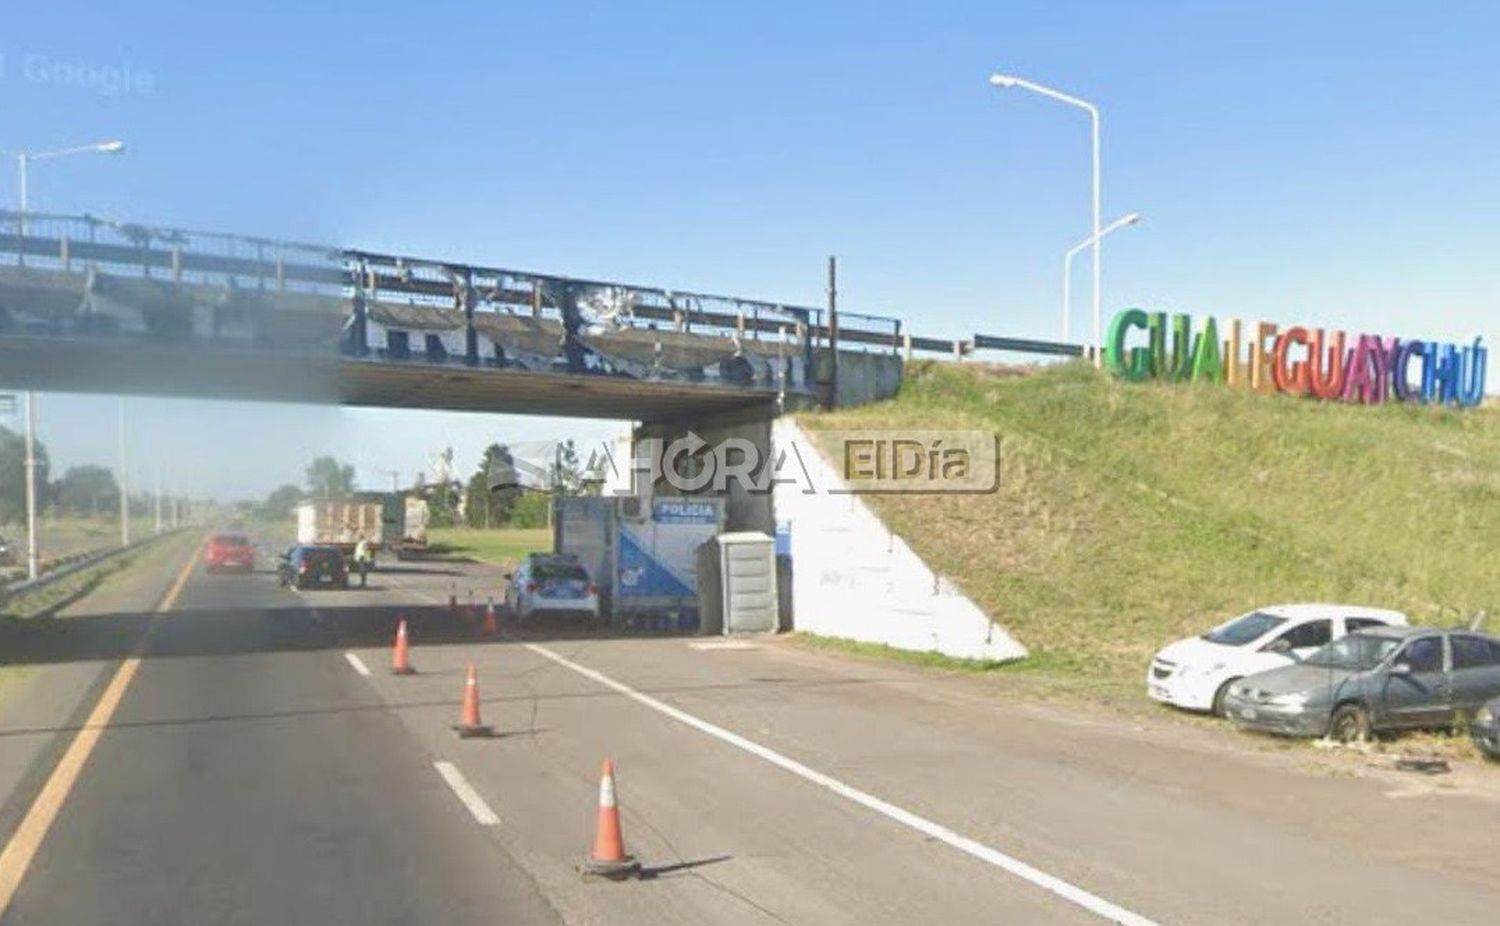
{"x":362,"y":559}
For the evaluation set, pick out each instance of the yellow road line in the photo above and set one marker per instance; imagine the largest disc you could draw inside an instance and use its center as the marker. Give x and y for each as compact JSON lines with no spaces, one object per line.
{"x":22,"y":848}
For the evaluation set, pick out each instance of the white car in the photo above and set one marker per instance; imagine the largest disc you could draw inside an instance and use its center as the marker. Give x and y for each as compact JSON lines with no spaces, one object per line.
{"x":1195,"y":673}
{"x":553,"y":584}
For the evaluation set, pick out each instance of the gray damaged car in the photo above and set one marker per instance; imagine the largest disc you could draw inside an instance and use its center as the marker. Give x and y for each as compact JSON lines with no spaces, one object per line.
{"x":1486,"y":729}
{"x":1376,"y":680}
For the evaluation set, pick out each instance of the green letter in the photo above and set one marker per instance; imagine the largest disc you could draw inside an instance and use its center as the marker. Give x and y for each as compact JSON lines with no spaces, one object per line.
{"x":1138,"y":365}
{"x":1182,"y":347}
{"x":1206,"y":363}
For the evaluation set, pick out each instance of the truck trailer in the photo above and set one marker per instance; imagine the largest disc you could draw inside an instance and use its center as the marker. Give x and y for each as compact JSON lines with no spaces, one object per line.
{"x":342,"y":522}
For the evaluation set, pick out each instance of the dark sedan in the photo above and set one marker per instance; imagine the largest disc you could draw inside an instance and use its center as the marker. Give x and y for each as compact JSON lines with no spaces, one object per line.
{"x":307,"y":566}
{"x":1382,"y":678}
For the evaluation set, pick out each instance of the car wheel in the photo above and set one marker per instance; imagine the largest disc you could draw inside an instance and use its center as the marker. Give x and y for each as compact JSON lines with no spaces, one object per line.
{"x":1218,"y":706}
{"x":1350,"y":723}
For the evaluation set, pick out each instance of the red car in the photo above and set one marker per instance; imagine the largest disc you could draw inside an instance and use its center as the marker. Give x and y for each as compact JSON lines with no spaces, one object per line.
{"x":229,"y":551}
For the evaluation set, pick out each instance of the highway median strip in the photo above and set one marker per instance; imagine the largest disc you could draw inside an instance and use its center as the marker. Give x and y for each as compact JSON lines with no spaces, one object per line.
{"x":19,"y":853}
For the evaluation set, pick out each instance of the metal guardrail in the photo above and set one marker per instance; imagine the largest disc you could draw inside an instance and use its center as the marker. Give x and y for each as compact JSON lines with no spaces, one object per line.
{"x":1027,"y":346}
{"x":72,"y":565}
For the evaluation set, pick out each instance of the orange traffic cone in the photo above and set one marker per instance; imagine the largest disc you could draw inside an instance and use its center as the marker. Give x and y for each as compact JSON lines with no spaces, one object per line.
{"x":608,"y":859}
{"x":400,"y":663}
{"x":469,"y":724}
{"x":490,"y":627}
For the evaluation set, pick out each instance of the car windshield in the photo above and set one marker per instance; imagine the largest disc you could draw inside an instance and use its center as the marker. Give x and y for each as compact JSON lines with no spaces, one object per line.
{"x":1244,"y":629}
{"x":1357,"y":651}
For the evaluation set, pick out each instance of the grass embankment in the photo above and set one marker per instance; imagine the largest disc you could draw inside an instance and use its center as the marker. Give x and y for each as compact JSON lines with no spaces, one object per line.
{"x":1132,"y":514}
{"x":502,"y":546}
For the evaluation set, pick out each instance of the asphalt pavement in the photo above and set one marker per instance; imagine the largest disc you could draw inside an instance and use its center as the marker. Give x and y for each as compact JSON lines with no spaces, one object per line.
{"x":264,"y":766}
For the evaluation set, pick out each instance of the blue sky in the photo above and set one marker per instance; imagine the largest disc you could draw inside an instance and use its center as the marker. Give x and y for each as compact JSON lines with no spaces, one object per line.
{"x":1329,"y":163}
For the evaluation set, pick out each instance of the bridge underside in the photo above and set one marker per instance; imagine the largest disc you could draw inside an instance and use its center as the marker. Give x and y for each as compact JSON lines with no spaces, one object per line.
{"x":252,"y":374}
{"x":467,"y":389}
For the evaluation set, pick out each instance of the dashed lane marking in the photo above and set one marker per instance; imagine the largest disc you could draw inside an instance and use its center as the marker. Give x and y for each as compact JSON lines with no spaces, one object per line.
{"x":481,"y":811}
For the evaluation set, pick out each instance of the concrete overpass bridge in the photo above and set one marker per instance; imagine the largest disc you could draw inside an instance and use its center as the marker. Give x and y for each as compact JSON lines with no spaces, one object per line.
{"x":94,"y":306}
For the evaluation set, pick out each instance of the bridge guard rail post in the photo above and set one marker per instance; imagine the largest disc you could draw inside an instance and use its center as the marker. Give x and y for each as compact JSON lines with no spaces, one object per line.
{"x":471,"y":336}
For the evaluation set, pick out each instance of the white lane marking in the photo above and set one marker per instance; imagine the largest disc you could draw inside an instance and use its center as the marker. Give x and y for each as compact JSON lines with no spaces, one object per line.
{"x":1069,"y":892}
{"x":714,"y":646}
{"x":358,"y":664}
{"x":483,"y":815}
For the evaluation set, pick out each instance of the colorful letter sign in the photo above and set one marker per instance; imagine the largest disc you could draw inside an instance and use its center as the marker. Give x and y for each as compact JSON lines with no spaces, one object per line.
{"x":1365,"y":369}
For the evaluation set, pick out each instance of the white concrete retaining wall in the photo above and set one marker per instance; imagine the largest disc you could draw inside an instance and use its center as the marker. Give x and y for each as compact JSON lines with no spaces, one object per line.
{"x":853,"y":578}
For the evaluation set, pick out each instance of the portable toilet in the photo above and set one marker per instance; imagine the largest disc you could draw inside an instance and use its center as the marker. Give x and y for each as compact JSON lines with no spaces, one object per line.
{"x":740,"y":593}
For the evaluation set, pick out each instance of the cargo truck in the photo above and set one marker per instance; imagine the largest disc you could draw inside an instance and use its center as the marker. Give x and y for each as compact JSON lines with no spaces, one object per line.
{"x":414,"y":527}
{"x":340,"y":523}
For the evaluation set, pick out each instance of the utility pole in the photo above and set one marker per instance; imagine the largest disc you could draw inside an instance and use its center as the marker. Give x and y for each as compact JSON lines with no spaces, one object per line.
{"x":124,"y":484}
{"x":158,"y":499}
{"x":33,"y":555}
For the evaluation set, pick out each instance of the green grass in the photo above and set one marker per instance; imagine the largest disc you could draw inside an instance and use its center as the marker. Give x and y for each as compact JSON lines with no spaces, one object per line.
{"x":1131,"y":514}
{"x":502,"y":546}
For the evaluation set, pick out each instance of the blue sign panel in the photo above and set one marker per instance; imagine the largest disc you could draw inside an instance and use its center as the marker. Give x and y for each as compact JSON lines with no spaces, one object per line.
{"x":682,"y":511}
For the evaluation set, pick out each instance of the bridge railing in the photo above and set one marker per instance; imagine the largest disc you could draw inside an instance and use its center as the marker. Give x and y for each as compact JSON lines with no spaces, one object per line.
{"x":76,"y":243}
{"x":79,"y":242}
{"x":610,"y":318}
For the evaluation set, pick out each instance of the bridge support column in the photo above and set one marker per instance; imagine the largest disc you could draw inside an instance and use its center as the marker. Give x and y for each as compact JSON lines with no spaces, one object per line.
{"x":741,"y":441}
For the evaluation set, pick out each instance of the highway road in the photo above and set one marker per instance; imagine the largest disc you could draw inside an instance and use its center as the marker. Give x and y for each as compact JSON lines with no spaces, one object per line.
{"x":252,"y":760}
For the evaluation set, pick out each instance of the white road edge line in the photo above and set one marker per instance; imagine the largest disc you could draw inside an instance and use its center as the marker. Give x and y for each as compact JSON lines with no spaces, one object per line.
{"x":358,"y":664}
{"x":1069,"y":892}
{"x":483,"y":815}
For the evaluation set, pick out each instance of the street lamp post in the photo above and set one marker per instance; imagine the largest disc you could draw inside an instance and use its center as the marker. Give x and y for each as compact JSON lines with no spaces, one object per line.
{"x":23,"y":164}
{"x":124,"y":484}
{"x":24,"y":159}
{"x":1124,"y":220}
{"x":33,"y":557}
{"x":1005,"y":82}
